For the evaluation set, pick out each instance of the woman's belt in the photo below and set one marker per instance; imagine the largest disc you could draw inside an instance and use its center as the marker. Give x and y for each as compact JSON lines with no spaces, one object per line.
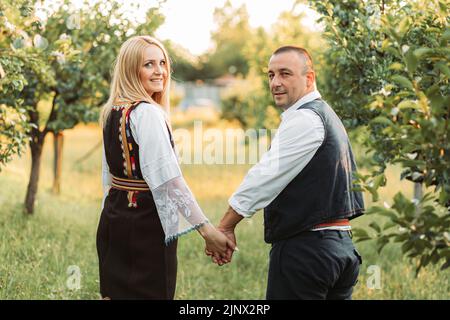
{"x":129,"y":184}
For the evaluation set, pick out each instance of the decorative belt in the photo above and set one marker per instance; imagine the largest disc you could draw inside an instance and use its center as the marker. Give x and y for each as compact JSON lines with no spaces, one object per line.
{"x":133,"y":186}
{"x":129,"y":184}
{"x":333,"y":223}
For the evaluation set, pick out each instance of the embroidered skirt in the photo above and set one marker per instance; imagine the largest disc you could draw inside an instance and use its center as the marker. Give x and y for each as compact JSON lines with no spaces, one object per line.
{"x":134,"y":262}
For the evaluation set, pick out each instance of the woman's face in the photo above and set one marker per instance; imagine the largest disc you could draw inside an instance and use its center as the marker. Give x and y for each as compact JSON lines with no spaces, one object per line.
{"x":153,"y":72}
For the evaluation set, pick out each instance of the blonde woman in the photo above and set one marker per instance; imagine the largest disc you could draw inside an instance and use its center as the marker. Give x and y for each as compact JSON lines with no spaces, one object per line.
{"x":147,"y":204}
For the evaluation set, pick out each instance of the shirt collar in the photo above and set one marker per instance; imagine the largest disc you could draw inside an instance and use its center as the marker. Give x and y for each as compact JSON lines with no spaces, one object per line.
{"x":313,"y":95}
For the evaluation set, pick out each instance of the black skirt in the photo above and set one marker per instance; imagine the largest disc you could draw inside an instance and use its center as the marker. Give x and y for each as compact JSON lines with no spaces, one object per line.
{"x":134,"y":261}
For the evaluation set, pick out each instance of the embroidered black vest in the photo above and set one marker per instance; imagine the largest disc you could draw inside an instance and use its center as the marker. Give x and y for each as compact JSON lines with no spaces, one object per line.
{"x":121,"y":150}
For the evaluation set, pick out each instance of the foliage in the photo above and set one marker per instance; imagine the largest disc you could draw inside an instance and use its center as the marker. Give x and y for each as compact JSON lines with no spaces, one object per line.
{"x":65,"y":57}
{"x":230,"y":38}
{"x":252,"y":108}
{"x":185,"y":66}
{"x":242,"y":102}
{"x":227,"y":54}
{"x":14,"y":66}
{"x":391,"y":75}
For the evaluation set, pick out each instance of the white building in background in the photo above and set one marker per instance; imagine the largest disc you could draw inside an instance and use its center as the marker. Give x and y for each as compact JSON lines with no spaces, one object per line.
{"x":201,"y":94}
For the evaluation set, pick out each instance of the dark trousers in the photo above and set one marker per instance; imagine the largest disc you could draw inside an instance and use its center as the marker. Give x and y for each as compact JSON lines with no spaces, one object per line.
{"x":313,"y":265}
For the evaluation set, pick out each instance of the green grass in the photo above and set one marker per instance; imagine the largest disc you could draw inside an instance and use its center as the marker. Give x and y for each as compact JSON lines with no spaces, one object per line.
{"x":36,"y":251}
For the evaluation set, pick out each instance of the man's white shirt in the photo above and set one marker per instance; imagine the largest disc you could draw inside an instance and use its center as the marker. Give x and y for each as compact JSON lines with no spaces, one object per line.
{"x":299,"y":136}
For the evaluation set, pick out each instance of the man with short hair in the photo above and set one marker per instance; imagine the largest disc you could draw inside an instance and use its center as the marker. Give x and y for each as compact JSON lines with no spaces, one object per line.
{"x":304,"y":184}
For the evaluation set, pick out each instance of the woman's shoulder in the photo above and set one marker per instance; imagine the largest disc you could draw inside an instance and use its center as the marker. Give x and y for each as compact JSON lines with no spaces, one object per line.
{"x":147,"y":106}
{"x":148,"y":109}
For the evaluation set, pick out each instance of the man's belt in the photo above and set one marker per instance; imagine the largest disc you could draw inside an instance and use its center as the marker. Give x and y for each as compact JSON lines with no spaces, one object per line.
{"x":129,"y":184}
{"x":333,"y":223}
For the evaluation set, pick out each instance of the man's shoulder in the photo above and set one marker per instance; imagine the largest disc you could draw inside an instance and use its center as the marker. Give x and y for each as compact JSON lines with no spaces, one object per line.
{"x":316,"y":103}
{"x":306,"y":115}
{"x":301,"y":121}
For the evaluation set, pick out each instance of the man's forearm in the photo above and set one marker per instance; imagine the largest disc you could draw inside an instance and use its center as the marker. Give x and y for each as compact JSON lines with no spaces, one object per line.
{"x":230,"y":219}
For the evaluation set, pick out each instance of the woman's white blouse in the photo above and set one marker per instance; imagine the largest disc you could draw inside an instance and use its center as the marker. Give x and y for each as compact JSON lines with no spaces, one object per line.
{"x":177,"y":208}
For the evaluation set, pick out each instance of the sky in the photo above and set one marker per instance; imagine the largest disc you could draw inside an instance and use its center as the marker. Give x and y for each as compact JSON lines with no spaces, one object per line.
{"x":190,"y":22}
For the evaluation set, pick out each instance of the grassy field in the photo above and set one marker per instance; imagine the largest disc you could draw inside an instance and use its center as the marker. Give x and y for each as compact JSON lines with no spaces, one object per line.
{"x":36,"y":251}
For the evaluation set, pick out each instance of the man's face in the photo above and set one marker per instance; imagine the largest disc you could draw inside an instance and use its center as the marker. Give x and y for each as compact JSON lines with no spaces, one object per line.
{"x":287,"y":79}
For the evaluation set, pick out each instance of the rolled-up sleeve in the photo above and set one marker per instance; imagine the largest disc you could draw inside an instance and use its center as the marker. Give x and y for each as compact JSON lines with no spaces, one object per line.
{"x":294,"y":145}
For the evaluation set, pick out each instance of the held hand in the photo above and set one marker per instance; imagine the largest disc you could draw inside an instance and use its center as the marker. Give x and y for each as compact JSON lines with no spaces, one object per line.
{"x":217,"y":244}
{"x":227,"y":225}
{"x":229,"y":233}
{"x":231,"y":247}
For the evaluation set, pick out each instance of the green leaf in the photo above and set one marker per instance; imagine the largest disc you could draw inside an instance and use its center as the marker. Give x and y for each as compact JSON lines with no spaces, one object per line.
{"x":375,"y":226}
{"x":432,"y":29}
{"x":387,"y":213}
{"x":435,"y":97}
{"x":405,"y":104}
{"x":443,"y":6}
{"x":392,"y":51}
{"x":396,"y":66}
{"x":389,"y":224}
{"x":382,"y":120}
{"x":443,"y":196}
{"x":411,"y":61}
{"x":419,"y":53}
{"x":402,"y":81}
{"x":403,"y":26}
{"x":360,"y":234}
{"x":379,"y":180}
{"x":373,"y":192}
{"x":446,"y":34}
{"x":442,"y":66}
{"x":381,"y":243}
{"x":407,"y":246}
{"x":425,"y":260}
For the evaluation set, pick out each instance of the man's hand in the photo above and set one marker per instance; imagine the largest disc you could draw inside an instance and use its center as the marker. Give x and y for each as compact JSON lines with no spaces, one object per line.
{"x":217,"y":244}
{"x":227,"y":226}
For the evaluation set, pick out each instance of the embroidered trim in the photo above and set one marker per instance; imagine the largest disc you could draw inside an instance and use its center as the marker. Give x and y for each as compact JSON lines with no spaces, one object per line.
{"x":129,"y":162}
{"x":119,"y":107}
{"x":125,"y":144}
{"x":176,"y":236}
{"x":125,"y":138}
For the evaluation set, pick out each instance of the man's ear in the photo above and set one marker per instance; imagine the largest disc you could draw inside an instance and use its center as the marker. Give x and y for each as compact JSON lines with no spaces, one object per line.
{"x":310,"y":79}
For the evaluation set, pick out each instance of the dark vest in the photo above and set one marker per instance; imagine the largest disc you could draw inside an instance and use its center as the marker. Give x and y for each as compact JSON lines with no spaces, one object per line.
{"x":114,"y":145}
{"x":323,"y":190}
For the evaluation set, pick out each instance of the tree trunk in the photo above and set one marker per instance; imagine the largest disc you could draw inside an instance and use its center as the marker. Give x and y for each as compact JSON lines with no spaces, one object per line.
{"x":36,"y":146}
{"x":58,"y":142}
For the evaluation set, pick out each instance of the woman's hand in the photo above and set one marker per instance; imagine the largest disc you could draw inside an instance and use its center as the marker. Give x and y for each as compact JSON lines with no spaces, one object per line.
{"x":217,"y":244}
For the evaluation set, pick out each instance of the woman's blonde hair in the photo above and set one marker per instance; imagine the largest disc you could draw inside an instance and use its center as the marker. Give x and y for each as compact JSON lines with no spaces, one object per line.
{"x":126,"y":85}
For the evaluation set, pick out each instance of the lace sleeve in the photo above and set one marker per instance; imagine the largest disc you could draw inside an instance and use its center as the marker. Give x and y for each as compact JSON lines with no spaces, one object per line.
{"x":177,"y":208}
